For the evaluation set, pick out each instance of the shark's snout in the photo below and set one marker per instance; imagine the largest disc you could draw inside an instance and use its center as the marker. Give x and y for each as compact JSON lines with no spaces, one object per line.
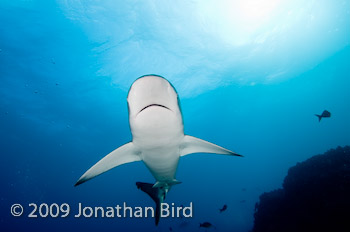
{"x":151,"y":92}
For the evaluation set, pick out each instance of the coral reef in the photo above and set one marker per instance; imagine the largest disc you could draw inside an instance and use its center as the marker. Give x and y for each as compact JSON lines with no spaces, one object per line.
{"x":315,"y":197}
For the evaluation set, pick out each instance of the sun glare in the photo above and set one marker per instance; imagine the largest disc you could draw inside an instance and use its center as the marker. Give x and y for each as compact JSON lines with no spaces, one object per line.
{"x":236,"y":22}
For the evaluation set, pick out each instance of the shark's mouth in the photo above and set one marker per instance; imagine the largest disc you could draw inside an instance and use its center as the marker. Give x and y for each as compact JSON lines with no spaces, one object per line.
{"x":154,"y":105}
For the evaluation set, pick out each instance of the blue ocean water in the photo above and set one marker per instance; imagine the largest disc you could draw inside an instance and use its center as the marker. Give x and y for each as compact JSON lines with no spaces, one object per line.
{"x":250,"y":76}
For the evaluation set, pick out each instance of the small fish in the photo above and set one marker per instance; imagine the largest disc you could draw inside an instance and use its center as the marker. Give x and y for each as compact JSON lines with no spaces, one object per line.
{"x":170,"y":229}
{"x":242,"y":201}
{"x":223,"y":208}
{"x":325,"y":114}
{"x":206,"y":225}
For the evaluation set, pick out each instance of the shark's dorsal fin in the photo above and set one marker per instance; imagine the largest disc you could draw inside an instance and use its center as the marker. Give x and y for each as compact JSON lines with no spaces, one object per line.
{"x":122,"y":155}
{"x":192,"y":144}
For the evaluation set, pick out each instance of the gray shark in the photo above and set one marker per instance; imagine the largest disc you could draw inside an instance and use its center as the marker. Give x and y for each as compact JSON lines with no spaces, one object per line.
{"x":158,"y":138}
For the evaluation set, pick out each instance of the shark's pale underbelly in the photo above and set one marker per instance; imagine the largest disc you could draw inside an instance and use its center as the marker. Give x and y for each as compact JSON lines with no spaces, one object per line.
{"x":158,"y":133}
{"x":162,"y":163}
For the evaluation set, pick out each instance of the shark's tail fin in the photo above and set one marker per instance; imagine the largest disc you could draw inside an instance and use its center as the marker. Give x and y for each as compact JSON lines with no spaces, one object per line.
{"x":156,"y":193}
{"x":319,"y":117}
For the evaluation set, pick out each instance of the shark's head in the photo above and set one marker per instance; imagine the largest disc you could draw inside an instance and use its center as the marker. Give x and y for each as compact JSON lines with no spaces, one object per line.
{"x":151,"y":91}
{"x":154,"y":113}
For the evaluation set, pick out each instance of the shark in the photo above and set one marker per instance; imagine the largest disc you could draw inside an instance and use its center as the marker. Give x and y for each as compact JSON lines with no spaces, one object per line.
{"x":158,"y":138}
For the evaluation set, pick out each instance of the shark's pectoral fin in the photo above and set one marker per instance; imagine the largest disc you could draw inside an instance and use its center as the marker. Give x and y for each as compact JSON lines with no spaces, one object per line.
{"x":191,"y":145}
{"x":124,"y":154}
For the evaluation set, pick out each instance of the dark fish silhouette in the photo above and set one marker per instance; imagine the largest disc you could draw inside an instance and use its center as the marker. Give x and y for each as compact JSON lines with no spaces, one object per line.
{"x":223,"y":208}
{"x":242,"y":201}
{"x":170,"y":229}
{"x":206,"y":225}
{"x":325,"y":114}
